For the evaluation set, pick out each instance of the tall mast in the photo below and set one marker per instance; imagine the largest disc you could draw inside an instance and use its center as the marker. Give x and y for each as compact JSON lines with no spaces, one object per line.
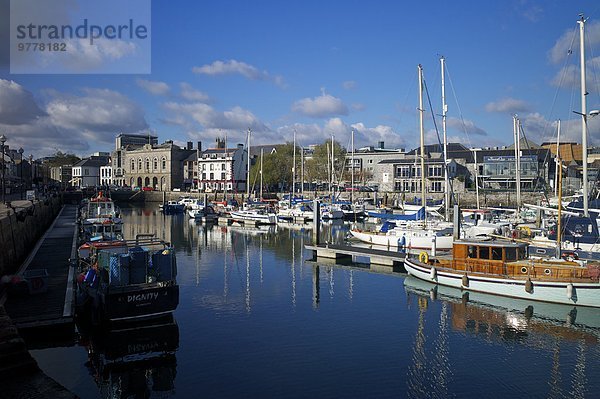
{"x":581,"y":23}
{"x":226,"y":170}
{"x":516,"y":136}
{"x":294,"y":171}
{"x":476,"y":176}
{"x":559,"y":184}
{"x":557,"y":160}
{"x":519,"y":128}
{"x":248,"y":168}
{"x":444,"y":111}
{"x":302,"y":170}
{"x":332,"y":169}
{"x":422,"y":133}
{"x":352,"y":170}
{"x":261,"y":173}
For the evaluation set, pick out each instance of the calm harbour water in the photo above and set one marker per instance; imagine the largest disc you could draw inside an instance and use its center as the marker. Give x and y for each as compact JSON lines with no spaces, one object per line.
{"x":258,"y":318}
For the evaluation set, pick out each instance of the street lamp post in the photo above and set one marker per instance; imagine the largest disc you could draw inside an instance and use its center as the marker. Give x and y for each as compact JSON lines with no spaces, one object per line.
{"x":31,"y":171}
{"x":21,"y":170}
{"x":2,"y":141}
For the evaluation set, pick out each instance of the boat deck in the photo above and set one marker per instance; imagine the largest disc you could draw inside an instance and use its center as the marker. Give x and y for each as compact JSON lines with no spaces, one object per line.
{"x":50,"y":303}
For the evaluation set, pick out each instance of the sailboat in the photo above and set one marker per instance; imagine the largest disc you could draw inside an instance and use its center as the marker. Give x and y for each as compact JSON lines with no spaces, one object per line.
{"x":253,"y":213}
{"x":413,"y":235}
{"x":579,"y":234}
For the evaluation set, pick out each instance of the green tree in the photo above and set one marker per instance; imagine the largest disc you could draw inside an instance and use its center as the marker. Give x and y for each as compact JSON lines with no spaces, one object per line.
{"x":277,"y":168}
{"x":62,"y":158}
{"x":318,"y":168}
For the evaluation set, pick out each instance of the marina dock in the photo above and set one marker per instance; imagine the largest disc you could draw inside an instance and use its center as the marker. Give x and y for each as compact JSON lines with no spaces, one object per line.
{"x":48,"y":300}
{"x":375,"y":256}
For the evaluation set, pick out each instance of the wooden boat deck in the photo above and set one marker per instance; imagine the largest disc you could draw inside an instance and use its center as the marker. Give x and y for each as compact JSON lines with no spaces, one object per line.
{"x":52,"y":253}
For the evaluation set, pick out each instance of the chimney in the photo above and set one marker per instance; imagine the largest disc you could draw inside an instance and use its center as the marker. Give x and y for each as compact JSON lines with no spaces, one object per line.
{"x":381,"y":145}
{"x":189,"y":145}
{"x":199,"y":147}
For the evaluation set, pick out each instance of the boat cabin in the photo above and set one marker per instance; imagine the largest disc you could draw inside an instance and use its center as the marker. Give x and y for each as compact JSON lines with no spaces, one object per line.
{"x":503,"y":251}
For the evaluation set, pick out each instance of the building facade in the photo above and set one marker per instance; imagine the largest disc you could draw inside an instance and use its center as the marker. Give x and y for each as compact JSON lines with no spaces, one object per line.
{"x":106,"y":175}
{"x":62,"y":175}
{"x":86,"y":173}
{"x":125,"y":142}
{"x":157,"y":166}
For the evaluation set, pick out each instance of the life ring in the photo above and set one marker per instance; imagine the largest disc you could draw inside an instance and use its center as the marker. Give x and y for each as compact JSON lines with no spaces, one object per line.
{"x":423,"y":257}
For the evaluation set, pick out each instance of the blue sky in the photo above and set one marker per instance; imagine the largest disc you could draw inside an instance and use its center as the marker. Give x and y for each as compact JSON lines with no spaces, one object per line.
{"x":320,"y":68}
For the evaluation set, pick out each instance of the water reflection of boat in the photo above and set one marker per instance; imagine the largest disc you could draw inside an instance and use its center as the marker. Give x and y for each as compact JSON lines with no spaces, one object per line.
{"x":248,"y":230}
{"x":517,"y":313}
{"x":134,"y":360}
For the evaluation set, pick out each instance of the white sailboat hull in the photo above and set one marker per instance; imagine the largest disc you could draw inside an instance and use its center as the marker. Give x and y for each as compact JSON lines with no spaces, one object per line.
{"x":583,"y":294}
{"x":251,"y":216}
{"x":413,"y":239}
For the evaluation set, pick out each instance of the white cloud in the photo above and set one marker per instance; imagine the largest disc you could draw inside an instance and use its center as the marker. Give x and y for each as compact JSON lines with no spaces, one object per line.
{"x":363,"y":135}
{"x":234,"y":67}
{"x":76,"y":123}
{"x":17,"y":105}
{"x":539,"y":129}
{"x":234,"y":119}
{"x":191,"y":94}
{"x":570,"y":76}
{"x":465,"y":126}
{"x":371,"y":136}
{"x":100,"y":111}
{"x":532,"y":12}
{"x":153,"y":87}
{"x":507,"y":105}
{"x":322,"y":106}
{"x":349,"y":84}
{"x":358,"y":107}
{"x":568,"y":44}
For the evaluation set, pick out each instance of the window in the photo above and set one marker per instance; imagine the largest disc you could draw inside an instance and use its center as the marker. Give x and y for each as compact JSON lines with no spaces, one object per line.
{"x":86,"y":172}
{"x":140,"y":164}
{"x":212,"y":176}
{"x":132,"y":165}
{"x":222,"y":166}
{"x":472,"y":251}
{"x":164,"y":163}
{"x":147,"y":164}
{"x":434,"y":171}
{"x":155,"y":164}
{"x":497,"y":253}
{"x":203,"y":176}
{"x":203,"y":166}
{"x":436,"y":186}
{"x":212,"y":166}
{"x":484,"y":252}
{"x":511,"y":253}
{"x":223,"y":176}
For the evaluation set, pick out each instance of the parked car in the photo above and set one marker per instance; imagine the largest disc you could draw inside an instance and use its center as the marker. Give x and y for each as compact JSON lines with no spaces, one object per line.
{"x":147,"y":188}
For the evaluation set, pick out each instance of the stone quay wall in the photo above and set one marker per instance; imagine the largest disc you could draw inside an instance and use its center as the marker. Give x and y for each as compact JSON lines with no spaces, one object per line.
{"x":21,"y":226}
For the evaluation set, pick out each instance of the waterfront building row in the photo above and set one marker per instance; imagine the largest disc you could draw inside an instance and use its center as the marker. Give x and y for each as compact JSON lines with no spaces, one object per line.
{"x":140,"y":161}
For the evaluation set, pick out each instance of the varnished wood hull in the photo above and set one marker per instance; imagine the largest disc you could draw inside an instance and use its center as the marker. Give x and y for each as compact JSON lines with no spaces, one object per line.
{"x":581,"y":293}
